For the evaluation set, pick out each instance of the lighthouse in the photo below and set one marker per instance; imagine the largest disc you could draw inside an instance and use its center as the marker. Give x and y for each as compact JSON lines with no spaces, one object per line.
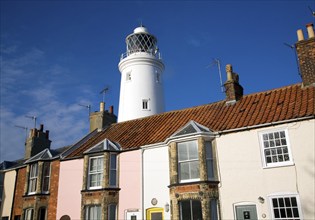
{"x":141,"y":68}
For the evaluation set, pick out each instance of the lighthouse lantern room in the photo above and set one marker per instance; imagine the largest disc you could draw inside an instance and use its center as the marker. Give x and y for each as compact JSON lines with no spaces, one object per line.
{"x":141,"y":68}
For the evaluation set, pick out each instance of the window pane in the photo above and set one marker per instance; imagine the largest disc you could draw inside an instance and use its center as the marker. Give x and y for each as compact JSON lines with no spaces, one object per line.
{"x":182,"y":152}
{"x":209,"y":158}
{"x":192,"y":150}
{"x":112,"y":212}
{"x":185,"y":210}
{"x":42,"y":213}
{"x":194,"y":170}
{"x":184,"y":171}
{"x":196,"y":209}
{"x":285,"y":208}
{"x":113,"y":177}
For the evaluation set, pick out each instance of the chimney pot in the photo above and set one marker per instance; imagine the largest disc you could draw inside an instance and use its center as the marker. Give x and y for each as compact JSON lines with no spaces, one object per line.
{"x":300,"y":35}
{"x":310,"y":30}
{"x":47,"y":134}
{"x":102,"y":106}
{"x":41,"y":127}
{"x":229,"y":70}
{"x":111,"y":109}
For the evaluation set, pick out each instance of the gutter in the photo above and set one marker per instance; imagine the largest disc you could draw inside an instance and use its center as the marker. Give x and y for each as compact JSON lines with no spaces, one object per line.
{"x":263,"y":125}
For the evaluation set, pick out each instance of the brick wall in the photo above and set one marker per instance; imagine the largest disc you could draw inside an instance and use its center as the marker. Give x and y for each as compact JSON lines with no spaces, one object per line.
{"x":19,"y":192}
{"x":306,"y":55}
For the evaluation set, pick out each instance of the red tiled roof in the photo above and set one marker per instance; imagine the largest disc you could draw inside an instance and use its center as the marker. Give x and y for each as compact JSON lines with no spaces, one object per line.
{"x":291,"y":102}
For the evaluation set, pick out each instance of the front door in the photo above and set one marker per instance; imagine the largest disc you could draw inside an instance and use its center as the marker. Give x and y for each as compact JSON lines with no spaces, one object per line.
{"x":246,"y":212}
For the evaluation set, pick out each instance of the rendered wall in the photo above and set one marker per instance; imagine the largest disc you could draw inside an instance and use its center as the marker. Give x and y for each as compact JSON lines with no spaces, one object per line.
{"x":8,"y":192}
{"x":243,"y":178}
{"x":156,"y":178}
{"x":70,"y":186}
{"x":129,"y":182}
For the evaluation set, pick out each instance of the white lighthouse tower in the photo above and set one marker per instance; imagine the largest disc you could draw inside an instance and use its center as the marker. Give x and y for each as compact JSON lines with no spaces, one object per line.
{"x":141,"y":67}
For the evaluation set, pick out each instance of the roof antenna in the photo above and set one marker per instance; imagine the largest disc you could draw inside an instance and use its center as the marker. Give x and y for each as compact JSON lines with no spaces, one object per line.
{"x":313,"y":12}
{"x":23,"y":127}
{"x":104,"y":91}
{"x":217,"y":62}
{"x":295,"y":55}
{"x":86,"y":106}
{"x":33,"y":118}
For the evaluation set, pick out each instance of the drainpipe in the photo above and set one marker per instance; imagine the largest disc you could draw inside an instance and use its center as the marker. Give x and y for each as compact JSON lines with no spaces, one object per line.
{"x":142,"y":182}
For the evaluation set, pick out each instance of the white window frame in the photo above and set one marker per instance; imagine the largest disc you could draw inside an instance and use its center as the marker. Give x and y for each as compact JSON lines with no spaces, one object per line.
{"x":285,"y":195}
{"x":209,"y":160}
{"x":113,"y":169}
{"x":96,"y":209}
{"x":145,"y":104}
{"x":46,"y":178}
{"x":97,"y":172}
{"x":288,"y":146}
{"x":28,"y":214}
{"x":33,"y":178}
{"x":179,"y":162}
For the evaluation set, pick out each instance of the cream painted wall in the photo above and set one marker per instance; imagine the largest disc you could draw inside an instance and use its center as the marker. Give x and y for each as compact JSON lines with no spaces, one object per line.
{"x":243,"y":178}
{"x":156,"y":178}
{"x":8,"y":190}
{"x":70,"y":186}
{"x":129,"y":182}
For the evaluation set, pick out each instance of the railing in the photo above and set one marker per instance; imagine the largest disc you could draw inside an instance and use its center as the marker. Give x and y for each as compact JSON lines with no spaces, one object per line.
{"x":155,"y":54}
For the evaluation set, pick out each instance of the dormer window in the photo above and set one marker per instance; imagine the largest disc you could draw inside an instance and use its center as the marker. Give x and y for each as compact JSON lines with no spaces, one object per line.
{"x":102,"y":162}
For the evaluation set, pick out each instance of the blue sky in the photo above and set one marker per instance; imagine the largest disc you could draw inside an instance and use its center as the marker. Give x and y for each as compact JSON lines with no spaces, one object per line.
{"x":58,"y":55}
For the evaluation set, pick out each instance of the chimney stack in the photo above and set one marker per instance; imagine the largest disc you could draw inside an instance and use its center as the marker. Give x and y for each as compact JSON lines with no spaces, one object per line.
{"x":103,"y":118}
{"x":233,"y":90}
{"x":37,"y":142}
{"x":305,"y":49}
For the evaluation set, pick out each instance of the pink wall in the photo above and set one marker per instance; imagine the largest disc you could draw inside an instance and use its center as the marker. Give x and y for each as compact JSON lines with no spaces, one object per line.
{"x":129,"y":182}
{"x":70,"y":186}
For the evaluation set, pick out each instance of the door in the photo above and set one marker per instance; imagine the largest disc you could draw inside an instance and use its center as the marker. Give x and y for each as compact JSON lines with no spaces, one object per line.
{"x":246,"y":212}
{"x":155,"y":214}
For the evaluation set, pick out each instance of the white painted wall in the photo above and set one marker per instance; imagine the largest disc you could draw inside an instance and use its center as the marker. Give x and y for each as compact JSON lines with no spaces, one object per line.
{"x":243,"y":178}
{"x":143,"y":69}
{"x":70,"y":186}
{"x":130,"y":184}
{"x":156,"y":178}
{"x":8,"y":192}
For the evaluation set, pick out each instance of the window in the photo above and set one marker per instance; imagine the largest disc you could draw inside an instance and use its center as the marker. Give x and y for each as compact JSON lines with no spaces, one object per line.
{"x":93,"y":212}
{"x":276,"y":149}
{"x":113,"y":170}
{"x":95,"y":174}
{"x":190,"y":210}
{"x":128,"y":76}
{"x":286,"y":207}
{"x":209,"y":160}
{"x":42,"y":213}
{"x":46,"y":176}
{"x":158,"y":76}
{"x":188,"y":161}
{"x":213,"y":209}
{"x":145,"y":104}
{"x":28,"y":214}
{"x":32,"y":185}
{"x":112,"y":211}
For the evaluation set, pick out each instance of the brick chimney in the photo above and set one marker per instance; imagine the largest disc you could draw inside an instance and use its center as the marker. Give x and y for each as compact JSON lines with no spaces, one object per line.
{"x":103,"y":118}
{"x":305,"y":49}
{"x":37,"y":141}
{"x":233,"y":90}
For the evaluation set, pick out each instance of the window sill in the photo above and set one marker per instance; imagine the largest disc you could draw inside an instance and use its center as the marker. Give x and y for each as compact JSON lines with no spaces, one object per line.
{"x":213,"y":182}
{"x":278,"y":165}
{"x":101,"y":189}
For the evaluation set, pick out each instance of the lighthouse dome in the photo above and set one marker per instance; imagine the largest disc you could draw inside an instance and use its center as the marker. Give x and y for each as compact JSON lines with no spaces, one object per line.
{"x":141,"y":29}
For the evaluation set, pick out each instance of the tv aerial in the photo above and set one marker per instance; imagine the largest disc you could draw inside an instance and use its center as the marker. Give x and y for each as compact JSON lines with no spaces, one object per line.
{"x":104,"y":91}
{"x":216,"y":61}
{"x":24,"y":128}
{"x":295,"y":55}
{"x":33,"y":118}
{"x":86,"y":106}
